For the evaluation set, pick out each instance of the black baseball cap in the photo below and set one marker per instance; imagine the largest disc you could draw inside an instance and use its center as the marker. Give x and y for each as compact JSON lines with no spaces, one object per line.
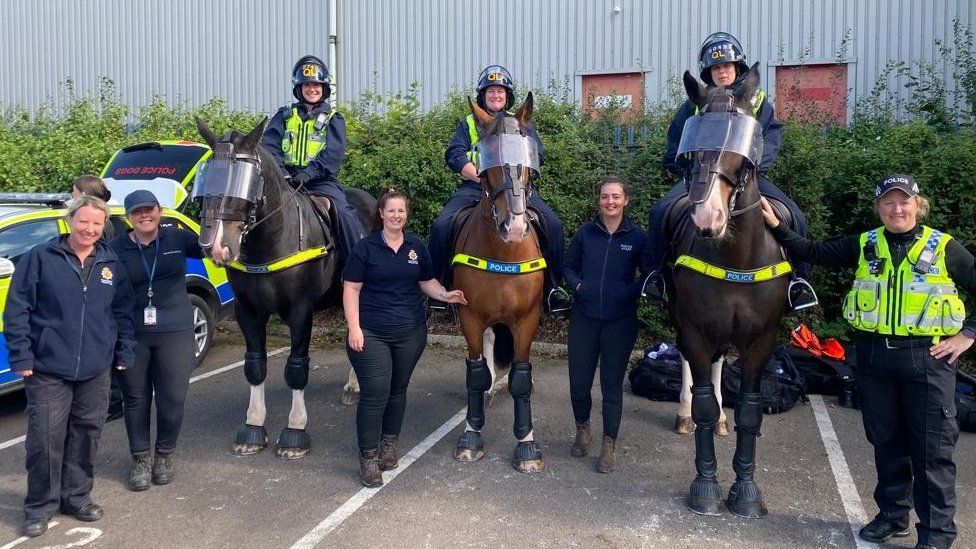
{"x":897,"y":181}
{"x":139,"y":199}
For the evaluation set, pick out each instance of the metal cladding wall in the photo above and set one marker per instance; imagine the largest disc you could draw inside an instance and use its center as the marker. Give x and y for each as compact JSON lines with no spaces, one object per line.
{"x":238,"y":50}
{"x":242,"y":50}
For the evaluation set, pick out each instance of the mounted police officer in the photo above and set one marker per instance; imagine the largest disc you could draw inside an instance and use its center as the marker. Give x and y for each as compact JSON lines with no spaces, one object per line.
{"x":722,"y":62}
{"x":911,"y":327}
{"x":496,"y":92}
{"x":308,"y":141}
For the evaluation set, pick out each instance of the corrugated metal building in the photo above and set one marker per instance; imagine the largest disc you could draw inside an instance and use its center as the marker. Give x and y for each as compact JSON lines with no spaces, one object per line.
{"x":242,"y":50}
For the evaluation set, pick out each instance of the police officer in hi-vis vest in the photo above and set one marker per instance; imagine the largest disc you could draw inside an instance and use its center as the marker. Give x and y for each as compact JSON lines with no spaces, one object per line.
{"x":911,"y":327}
{"x":308,"y":141}
{"x":496,"y":92}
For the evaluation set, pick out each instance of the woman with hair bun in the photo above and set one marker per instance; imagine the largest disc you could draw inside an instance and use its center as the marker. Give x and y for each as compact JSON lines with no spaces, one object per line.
{"x":384,"y":280}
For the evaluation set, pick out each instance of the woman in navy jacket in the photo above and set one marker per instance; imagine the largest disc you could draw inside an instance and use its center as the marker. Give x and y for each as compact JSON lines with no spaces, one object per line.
{"x":64,"y":340}
{"x":601,"y":266}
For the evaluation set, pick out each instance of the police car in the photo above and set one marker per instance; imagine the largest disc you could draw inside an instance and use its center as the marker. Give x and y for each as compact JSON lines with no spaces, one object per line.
{"x":166,"y":168}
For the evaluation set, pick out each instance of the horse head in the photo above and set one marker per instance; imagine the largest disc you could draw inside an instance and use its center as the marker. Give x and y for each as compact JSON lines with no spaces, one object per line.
{"x":725,"y":145}
{"x":508,"y":161}
{"x":230,"y":188}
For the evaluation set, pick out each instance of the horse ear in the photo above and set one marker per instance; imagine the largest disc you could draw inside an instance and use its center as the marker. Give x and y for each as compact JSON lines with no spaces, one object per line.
{"x":697,"y":93}
{"x":749,"y":85}
{"x":524,"y":113}
{"x":251,"y":140}
{"x":481,"y":116}
{"x":205,"y":132}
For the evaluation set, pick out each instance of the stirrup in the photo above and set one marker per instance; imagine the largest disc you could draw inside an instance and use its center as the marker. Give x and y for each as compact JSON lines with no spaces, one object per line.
{"x":653,"y":289}
{"x":558,"y":300}
{"x":801,"y":295}
{"x":437,"y":305}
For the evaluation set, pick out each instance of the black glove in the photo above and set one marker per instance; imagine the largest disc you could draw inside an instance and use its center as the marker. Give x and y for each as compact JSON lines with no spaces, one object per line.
{"x":301,"y":178}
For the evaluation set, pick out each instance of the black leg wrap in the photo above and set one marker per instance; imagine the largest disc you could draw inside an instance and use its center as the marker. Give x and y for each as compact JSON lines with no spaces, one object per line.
{"x":520,"y":387}
{"x":478,"y":377}
{"x":294,"y":438}
{"x":476,"y":409}
{"x":705,"y":495}
{"x":745,"y":498}
{"x":255,"y":367}
{"x":296,"y":372}
{"x":249,"y":434}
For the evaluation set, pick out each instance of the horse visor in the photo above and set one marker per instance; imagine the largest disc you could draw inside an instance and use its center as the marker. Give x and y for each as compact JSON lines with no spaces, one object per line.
{"x":237,"y":179}
{"x":723,"y":131}
{"x":513,"y":150}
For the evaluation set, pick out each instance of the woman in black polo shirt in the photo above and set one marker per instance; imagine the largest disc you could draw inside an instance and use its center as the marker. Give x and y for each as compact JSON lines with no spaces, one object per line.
{"x":155,"y":258}
{"x":384,"y":306}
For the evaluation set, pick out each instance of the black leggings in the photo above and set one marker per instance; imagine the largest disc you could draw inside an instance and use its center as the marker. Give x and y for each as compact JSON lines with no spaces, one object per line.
{"x":611,"y":341}
{"x":384,"y":369}
{"x":164,"y":361}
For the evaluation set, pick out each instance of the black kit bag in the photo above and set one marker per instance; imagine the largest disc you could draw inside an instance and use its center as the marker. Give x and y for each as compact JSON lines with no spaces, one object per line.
{"x":966,"y":401}
{"x":781,"y":387}
{"x":657,"y":375}
{"x":826,"y":376}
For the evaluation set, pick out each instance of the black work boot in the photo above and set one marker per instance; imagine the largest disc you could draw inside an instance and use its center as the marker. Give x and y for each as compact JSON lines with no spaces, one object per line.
{"x":581,"y":446}
{"x":653,"y":288}
{"x":880,"y":529}
{"x":163,"y":469}
{"x":389,"y":459}
{"x":140,"y":475}
{"x":369,"y":468}
{"x":802,"y":295}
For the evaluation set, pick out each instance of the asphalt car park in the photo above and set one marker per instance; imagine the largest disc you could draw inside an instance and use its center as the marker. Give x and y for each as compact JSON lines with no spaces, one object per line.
{"x":815,"y":468}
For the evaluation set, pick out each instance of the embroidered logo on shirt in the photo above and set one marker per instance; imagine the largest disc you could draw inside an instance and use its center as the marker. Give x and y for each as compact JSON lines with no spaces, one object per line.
{"x":627,"y":247}
{"x":106,"y":276}
{"x":412,"y":256}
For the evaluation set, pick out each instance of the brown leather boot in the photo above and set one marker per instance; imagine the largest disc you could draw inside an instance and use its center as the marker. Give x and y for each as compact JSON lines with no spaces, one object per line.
{"x":369,"y":468}
{"x":389,"y":459}
{"x":581,"y":446}
{"x":608,"y":457}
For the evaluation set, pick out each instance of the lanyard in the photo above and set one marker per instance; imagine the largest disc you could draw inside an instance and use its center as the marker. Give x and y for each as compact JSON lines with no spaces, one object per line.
{"x":149,"y":272}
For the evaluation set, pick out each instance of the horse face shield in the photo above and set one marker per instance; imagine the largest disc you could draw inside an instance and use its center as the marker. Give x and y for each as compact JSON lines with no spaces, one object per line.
{"x":229,"y":188}
{"x":721,"y":132}
{"x":514,"y":154}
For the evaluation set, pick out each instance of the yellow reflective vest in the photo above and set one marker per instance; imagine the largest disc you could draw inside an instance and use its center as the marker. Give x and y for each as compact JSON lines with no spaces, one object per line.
{"x":302,"y":141}
{"x":915,"y":298}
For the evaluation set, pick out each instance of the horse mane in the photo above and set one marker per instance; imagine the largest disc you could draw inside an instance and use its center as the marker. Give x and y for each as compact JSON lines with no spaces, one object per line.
{"x":497,"y":124}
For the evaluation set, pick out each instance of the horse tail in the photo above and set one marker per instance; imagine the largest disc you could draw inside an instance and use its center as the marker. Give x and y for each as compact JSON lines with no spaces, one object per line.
{"x":503,"y":350}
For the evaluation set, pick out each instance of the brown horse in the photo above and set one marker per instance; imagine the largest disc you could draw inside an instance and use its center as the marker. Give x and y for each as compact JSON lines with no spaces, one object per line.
{"x":727,"y":283}
{"x":500,"y":277}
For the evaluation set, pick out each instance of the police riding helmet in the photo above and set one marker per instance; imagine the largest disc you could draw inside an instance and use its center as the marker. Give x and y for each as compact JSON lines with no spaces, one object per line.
{"x":721,"y":47}
{"x":310,"y":69}
{"x":496,"y":75}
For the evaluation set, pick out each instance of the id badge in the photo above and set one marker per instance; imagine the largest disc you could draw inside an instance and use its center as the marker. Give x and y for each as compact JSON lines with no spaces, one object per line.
{"x":149,"y":316}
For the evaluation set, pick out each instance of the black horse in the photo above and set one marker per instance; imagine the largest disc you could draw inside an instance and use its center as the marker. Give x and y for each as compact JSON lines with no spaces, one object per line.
{"x":727,"y":282}
{"x":281,"y":260}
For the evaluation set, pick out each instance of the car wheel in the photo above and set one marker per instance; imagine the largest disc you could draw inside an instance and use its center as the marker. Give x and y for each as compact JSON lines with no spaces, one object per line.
{"x":203,"y":328}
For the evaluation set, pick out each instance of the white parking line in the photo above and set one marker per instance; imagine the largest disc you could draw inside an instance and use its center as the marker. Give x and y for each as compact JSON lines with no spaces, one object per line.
{"x":856,"y":515}
{"x":22,"y":539}
{"x":194,"y":379}
{"x":317,"y":534}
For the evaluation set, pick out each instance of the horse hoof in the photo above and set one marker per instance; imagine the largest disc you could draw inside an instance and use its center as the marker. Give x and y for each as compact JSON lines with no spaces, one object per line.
{"x":349,"y":397}
{"x":722,"y":428}
{"x":527,"y":458}
{"x":745,"y":500}
{"x":470,"y":447}
{"x":683,"y":425}
{"x":705,"y":497}
{"x":250,"y":440}
{"x":293,"y":444}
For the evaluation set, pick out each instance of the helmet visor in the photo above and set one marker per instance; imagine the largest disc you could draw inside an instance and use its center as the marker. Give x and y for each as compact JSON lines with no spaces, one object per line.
{"x":724,"y":131}
{"x":510,"y":149}
{"x":228,"y":178}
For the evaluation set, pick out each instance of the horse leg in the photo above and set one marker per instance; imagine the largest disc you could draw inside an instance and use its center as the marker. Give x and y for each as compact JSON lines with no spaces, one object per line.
{"x":498,"y":383}
{"x":350,"y":391}
{"x":745,"y":498}
{"x":252,"y":437}
{"x":294,"y":442}
{"x":527,"y":457}
{"x":471,"y":444}
{"x":706,"y":496}
{"x":683,"y":425}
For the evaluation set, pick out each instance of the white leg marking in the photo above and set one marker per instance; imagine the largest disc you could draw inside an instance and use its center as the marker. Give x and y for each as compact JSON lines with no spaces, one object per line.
{"x":298,"y":417}
{"x":684,"y":401}
{"x":256,"y":410}
{"x":717,"y":384}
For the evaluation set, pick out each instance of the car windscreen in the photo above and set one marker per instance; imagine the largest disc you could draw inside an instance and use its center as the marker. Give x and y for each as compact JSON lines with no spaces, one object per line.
{"x":153,"y":160}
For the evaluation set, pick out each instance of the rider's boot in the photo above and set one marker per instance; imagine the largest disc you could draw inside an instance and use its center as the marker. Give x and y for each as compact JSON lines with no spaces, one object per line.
{"x":801,"y":295}
{"x":653,"y":289}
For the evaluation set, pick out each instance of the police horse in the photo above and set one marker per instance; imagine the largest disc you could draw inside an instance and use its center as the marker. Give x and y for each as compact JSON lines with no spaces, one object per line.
{"x":499,"y":267}
{"x":280,"y":260}
{"x":728,"y":282}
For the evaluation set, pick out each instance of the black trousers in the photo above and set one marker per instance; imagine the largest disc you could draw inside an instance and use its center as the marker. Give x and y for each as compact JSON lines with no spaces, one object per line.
{"x":909,"y":412}
{"x":610,"y":341}
{"x":164,"y":361}
{"x":64,"y":423}
{"x":384,"y":368}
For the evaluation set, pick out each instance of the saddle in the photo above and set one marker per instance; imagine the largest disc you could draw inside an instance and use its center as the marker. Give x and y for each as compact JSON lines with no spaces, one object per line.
{"x":326,"y":216}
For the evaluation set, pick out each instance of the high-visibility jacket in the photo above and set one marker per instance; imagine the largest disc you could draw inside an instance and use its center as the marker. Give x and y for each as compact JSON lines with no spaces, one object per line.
{"x":304,"y":139}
